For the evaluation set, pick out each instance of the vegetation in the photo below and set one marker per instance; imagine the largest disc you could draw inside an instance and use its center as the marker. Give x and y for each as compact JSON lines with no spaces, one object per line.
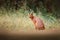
{"x":14,"y":14}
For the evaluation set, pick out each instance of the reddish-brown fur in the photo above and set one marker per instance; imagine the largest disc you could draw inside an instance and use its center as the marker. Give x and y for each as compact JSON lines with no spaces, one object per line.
{"x":38,"y":23}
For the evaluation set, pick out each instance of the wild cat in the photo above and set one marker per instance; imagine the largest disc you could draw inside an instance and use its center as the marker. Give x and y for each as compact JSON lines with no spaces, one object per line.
{"x":38,"y":23}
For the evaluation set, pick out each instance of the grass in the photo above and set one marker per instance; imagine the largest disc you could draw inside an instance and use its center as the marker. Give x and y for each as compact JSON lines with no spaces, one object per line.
{"x":19,"y":21}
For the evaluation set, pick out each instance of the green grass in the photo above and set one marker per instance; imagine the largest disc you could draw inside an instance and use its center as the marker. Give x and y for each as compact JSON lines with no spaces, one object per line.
{"x":19,"y":21}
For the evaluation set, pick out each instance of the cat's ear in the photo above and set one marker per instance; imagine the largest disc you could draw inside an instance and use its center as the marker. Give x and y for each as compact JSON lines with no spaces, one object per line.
{"x":31,"y":13}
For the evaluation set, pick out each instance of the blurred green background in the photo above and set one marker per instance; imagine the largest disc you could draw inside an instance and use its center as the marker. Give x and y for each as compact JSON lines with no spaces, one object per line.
{"x":14,"y":14}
